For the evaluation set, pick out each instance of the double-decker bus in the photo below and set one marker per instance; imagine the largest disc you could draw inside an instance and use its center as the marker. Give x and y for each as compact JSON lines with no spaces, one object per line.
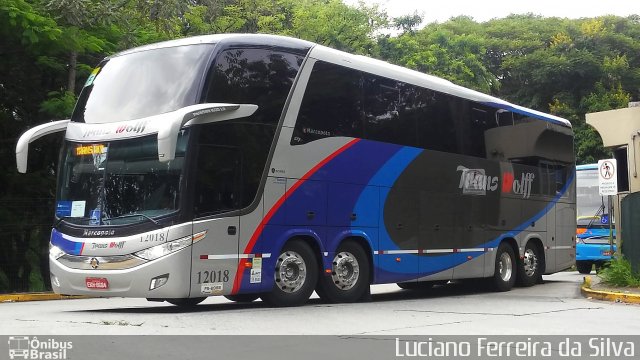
{"x":264,"y":166}
{"x":594,"y":232}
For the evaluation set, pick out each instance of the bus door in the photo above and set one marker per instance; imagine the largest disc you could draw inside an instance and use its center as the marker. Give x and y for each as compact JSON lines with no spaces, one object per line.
{"x":217,"y":197}
{"x":436,"y":233}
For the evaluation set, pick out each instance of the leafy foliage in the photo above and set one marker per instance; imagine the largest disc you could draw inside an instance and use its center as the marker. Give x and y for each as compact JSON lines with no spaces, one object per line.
{"x":618,"y":272}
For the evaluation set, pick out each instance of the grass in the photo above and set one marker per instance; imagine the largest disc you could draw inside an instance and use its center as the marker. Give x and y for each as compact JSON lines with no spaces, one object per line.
{"x":619,"y":273}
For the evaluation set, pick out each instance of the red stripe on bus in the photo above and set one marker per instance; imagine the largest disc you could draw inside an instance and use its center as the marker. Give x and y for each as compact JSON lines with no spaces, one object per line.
{"x":256,"y":234}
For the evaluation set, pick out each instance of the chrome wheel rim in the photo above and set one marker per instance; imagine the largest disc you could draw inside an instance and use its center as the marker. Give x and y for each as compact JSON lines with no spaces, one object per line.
{"x":530,"y":262}
{"x":291,"y":271}
{"x":345,"y":271}
{"x":505,"y":267}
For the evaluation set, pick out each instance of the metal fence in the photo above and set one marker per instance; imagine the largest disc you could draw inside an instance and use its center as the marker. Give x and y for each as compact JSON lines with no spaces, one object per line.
{"x":631,"y":229}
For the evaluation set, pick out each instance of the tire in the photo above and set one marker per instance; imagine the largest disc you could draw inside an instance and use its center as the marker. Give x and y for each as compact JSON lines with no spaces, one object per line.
{"x":530,"y":267}
{"x":504,"y":276}
{"x":186,"y":302}
{"x":295,"y":276}
{"x":584,"y":267}
{"x":349,"y":280}
{"x":242,"y":298}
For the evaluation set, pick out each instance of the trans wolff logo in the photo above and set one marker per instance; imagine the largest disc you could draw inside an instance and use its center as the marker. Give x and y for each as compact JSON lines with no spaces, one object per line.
{"x":477,"y":182}
{"x":25,"y":347}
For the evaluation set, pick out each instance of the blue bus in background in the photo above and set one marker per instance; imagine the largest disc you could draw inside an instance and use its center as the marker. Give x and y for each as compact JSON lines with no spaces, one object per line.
{"x":593,"y":246}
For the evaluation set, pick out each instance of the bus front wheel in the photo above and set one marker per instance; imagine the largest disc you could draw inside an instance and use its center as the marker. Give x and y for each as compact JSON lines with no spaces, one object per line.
{"x":584,"y":267}
{"x":296,"y":275}
{"x":349,"y":278}
{"x":186,"y":302}
{"x":505,"y":268}
{"x":242,"y":298}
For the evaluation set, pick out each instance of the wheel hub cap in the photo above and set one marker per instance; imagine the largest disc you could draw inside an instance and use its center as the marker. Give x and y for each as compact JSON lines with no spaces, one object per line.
{"x":505,"y":267}
{"x":530,"y":262}
{"x":345,"y":271}
{"x":291,"y":271}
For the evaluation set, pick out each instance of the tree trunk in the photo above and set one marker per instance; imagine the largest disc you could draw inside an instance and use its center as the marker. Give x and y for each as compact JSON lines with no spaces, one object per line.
{"x":73,"y":62}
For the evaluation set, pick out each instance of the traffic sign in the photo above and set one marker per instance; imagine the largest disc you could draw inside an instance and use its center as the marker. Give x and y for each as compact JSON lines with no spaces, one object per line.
{"x":607,"y":178}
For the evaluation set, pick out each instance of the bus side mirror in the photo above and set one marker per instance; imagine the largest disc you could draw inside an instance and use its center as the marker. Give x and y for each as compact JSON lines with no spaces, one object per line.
{"x":193,"y":115}
{"x":22,"y":148}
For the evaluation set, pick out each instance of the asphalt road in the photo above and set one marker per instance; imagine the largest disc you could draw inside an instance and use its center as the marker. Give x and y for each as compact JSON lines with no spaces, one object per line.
{"x":553,"y":308}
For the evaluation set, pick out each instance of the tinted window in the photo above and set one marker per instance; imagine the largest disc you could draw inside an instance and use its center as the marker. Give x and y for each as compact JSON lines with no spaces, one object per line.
{"x":340,"y":101}
{"x":253,"y":76}
{"x":332,"y":104}
{"x":233,"y":155}
{"x":392,"y":111}
{"x":436,"y":130}
{"x":218,"y":179}
{"x":231,"y":159}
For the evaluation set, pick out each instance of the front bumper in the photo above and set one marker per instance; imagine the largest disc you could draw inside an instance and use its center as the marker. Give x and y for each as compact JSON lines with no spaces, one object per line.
{"x":594,"y":252}
{"x":132,"y":282}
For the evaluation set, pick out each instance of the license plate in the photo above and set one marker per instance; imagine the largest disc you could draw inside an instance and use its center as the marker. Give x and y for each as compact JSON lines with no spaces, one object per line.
{"x":97,"y":283}
{"x":607,"y":253}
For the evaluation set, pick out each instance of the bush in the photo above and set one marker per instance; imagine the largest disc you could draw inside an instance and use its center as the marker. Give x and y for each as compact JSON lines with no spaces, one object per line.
{"x":619,"y":273}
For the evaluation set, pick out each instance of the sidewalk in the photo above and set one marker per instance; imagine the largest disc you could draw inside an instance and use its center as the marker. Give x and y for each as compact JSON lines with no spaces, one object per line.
{"x":593,"y":288}
{"x":35,"y":297}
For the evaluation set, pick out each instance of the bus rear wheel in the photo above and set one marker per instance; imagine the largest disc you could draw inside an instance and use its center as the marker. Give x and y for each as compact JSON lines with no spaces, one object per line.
{"x":296,"y":275}
{"x":349,"y":280}
{"x":530,"y":266}
{"x":504,"y":276}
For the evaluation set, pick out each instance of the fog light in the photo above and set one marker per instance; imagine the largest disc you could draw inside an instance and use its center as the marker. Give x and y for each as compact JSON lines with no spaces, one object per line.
{"x":55,"y":252}
{"x":158,"y":281}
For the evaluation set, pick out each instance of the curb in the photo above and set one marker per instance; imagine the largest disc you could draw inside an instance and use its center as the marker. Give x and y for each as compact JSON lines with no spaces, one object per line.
{"x":618,"y":297}
{"x":5,"y":298}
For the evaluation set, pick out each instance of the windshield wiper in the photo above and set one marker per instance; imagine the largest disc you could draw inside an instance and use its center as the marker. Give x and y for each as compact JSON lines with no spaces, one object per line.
{"x":55,"y":226}
{"x":132,"y":215}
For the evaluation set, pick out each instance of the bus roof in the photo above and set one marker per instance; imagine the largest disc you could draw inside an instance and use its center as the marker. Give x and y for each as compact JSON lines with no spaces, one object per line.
{"x":587,"y":167}
{"x":377,"y":67}
{"x":250,"y":39}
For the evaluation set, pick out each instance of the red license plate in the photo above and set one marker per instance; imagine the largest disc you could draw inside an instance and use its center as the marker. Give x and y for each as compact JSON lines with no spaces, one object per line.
{"x":97,"y":283}
{"x":607,"y":253}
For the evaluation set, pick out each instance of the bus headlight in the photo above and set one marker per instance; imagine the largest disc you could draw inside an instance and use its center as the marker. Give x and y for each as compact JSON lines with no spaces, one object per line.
{"x":159,"y":251}
{"x":55,"y":252}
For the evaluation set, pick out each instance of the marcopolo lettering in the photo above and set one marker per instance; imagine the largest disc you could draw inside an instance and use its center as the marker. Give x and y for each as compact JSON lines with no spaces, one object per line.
{"x":92,"y":233}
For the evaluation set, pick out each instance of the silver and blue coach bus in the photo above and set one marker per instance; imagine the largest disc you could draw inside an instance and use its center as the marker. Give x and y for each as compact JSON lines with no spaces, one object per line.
{"x":263,"y":166}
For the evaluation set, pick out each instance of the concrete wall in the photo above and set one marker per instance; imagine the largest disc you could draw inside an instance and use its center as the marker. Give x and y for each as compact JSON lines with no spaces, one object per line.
{"x":621,"y":129}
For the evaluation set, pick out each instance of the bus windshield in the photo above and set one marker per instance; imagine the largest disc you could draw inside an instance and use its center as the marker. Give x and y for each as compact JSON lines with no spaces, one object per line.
{"x":589,"y":203}
{"x":135,"y":85}
{"x":118,"y":182}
